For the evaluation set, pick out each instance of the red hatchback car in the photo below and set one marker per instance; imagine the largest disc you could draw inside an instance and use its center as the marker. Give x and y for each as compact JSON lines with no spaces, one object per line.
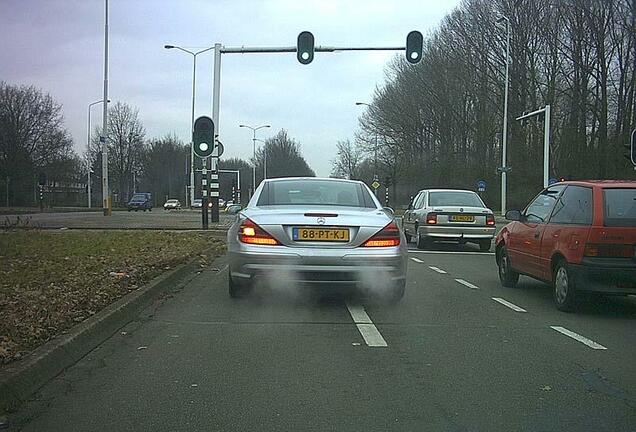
{"x":578,"y":236}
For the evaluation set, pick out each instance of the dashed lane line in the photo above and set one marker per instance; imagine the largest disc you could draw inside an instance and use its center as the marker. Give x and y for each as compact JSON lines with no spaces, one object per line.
{"x":466,"y":283}
{"x":506,"y":303}
{"x":417,"y":260}
{"x":437,"y":269}
{"x":585,"y":341}
{"x":367,"y":329}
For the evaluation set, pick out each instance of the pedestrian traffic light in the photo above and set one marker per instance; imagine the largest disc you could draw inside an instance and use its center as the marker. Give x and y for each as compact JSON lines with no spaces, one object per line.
{"x":305,"y":47}
{"x":203,"y":137}
{"x":414,"y":42}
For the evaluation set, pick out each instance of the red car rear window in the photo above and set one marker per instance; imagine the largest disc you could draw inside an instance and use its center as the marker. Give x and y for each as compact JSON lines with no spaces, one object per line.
{"x":620,"y":207}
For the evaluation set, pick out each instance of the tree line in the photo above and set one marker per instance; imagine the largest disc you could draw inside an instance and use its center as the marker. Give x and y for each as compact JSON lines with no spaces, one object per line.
{"x":439,"y":123}
{"x":34,"y":141}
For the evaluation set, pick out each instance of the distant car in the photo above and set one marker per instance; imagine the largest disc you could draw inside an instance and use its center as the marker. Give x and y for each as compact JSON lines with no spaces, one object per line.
{"x":172,"y":204}
{"x":449,"y":215}
{"x":325,"y":232}
{"x":222,"y":203}
{"x":577,"y":236}
{"x":197,"y":203}
{"x":140,"y":201}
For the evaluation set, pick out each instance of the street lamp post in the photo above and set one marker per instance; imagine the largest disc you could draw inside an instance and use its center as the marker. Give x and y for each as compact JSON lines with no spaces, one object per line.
{"x":546,"y":140}
{"x":504,"y":146}
{"x":375,"y":152}
{"x":88,"y":150}
{"x":264,"y":157}
{"x":106,"y":202}
{"x":254,"y":129}
{"x":194,"y":77}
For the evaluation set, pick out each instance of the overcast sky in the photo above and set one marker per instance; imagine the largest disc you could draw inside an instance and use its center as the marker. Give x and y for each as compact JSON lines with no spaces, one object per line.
{"x":57,"y":45}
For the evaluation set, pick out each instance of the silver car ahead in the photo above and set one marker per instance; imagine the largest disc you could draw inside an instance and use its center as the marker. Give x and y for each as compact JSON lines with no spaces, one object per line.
{"x":317,"y":231}
{"x":449,"y":215}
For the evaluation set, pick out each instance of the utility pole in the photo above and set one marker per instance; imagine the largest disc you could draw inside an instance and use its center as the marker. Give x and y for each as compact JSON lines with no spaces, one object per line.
{"x":504,"y":147}
{"x":107,"y":210}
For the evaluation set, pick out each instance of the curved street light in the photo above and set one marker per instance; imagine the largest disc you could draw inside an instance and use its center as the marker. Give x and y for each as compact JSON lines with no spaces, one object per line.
{"x":254,"y":129}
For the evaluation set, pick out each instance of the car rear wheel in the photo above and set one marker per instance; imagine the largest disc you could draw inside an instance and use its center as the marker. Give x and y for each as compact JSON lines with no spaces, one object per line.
{"x":564,"y":290}
{"x":484,"y":245}
{"x":507,"y":275}
{"x":237,"y":290}
{"x":423,"y":242}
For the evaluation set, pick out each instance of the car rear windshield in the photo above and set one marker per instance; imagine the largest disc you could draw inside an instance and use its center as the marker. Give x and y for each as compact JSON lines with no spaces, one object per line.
{"x":315,"y":192}
{"x":620,"y":207}
{"x":465,"y":199}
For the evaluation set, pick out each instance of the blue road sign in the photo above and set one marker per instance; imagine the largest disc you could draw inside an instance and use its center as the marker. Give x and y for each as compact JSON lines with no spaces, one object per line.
{"x":481,"y":186}
{"x":552,"y":181}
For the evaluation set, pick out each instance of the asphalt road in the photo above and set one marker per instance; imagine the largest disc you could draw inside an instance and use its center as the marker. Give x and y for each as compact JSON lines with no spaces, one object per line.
{"x":454,"y":359}
{"x":156,"y":219}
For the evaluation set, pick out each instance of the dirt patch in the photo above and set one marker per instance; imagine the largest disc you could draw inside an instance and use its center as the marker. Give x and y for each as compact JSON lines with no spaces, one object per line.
{"x":50,"y":281}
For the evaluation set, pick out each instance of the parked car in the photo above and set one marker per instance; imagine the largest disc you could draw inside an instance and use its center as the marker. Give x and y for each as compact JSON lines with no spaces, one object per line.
{"x":172,"y":204}
{"x":140,"y":201}
{"x":316,"y":231}
{"x":197,"y":203}
{"x":578,"y":236}
{"x":449,"y":215}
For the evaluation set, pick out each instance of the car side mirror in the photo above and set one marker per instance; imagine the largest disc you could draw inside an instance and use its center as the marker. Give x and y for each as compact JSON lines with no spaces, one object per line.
{"x":389,"y":210}
{"x":514,"y":215}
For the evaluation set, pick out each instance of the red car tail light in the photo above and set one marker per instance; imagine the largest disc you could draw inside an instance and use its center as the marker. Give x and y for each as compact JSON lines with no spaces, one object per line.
{"x":431,"y":218}
{"x":608,"y":250}
{"x":490,"y":220}
{"x":251,"y":233}
{"x":386,"y":237}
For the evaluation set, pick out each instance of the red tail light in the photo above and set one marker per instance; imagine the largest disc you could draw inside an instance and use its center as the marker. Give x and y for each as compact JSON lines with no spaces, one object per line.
{"x":609,"y":250}
{"x":251,"y":233}
{"x":386,"y":237}
{"x":490,"y":220}
{"x":431,"y":218}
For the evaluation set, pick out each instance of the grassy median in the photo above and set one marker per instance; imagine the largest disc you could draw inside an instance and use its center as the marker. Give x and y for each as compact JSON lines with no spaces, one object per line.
{"x":51,"y":280}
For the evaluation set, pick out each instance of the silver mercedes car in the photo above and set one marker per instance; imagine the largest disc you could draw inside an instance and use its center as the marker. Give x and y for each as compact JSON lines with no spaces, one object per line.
{"x":325,"y":232}
{"x":449,"y":215}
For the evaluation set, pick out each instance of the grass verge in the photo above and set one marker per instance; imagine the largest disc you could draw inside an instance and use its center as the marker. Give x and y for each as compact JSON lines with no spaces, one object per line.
{"x":52,"y":280}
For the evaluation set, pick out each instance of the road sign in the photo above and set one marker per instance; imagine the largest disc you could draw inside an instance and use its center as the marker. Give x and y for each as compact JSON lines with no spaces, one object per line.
{"x":375,"y":184}
{"x":219,"y":149}
{"x":552,"y":181}
{"x":481,"y":186}
{"x":633,"y":148}
{"x":203,"y":137}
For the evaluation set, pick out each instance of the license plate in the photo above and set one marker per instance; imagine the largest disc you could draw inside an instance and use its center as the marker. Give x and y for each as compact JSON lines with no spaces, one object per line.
{"x":320,"y":234}
{"x":462,"y":218}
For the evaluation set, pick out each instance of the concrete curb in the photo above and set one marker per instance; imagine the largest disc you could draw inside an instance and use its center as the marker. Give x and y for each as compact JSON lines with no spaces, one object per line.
{"x":19,"y":381}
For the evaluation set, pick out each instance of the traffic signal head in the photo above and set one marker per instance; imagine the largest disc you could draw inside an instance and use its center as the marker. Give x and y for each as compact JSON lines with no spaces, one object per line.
{"x":203,"y":137}
{"x":414,"y":42}
{"x":305,"y":47}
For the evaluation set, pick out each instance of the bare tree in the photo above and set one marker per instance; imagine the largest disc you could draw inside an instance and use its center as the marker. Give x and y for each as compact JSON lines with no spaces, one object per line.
{"x":32,"y":134}
{"x":347,"y":161}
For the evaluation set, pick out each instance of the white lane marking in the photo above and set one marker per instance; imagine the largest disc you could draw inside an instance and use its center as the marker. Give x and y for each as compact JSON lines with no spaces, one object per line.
{"x":452,"y":252}
{"x":506,"y":303}
{"x":466,"y":283}
{"x":367,"y":329}
{"x":578,"y":337}
{"x":417,"y":260}
{"x":437,"y":269}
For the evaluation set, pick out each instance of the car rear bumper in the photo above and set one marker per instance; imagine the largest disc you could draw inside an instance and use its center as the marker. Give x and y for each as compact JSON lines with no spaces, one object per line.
{"x":606,"y":279}
{"x":381,"y":266}
{"x":458,"y":233}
